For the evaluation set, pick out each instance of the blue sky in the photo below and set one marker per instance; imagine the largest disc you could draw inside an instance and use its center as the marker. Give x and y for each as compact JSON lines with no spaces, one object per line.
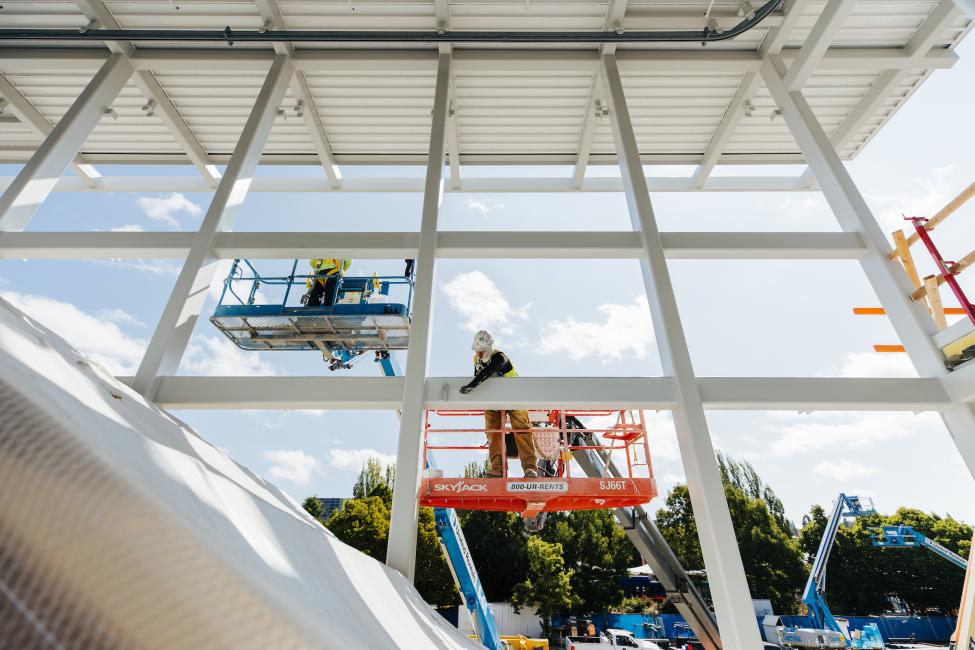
{"x":574,"y":318}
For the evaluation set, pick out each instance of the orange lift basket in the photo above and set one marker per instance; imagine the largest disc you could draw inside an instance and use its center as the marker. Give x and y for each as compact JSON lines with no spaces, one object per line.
{"x":557,"y":435}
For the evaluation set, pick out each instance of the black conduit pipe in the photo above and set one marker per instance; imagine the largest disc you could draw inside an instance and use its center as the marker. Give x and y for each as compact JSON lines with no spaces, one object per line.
{"x":229,"y":36}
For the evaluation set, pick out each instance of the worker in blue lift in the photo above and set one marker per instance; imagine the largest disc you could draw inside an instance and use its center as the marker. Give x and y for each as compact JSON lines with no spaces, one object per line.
{"x":489,"y":362}
{"x":321,"y":291}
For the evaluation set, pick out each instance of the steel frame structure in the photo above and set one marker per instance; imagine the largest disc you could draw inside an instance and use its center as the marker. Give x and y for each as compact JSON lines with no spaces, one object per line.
{"x":773,"y":68}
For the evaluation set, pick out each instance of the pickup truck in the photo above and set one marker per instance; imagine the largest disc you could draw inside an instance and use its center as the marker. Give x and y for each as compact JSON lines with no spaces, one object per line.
{"x":610,"y":639}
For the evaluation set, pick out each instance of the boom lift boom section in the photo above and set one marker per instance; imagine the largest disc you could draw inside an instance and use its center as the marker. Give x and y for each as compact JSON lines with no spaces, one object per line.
{"x":907,"y":537}
{"x":814,"y":595}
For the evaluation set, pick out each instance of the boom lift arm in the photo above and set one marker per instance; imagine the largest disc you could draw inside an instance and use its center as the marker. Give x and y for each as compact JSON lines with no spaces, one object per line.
{"x":907,"y":537}
{"x":814,"y":594}
{"x":650,"y":543}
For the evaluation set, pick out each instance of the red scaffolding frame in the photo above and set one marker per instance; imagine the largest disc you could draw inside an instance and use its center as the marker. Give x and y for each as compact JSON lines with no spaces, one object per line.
{"x":557,"y":436}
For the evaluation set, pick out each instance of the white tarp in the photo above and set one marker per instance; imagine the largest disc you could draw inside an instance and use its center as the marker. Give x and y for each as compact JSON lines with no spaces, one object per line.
{"x":121,"y":527}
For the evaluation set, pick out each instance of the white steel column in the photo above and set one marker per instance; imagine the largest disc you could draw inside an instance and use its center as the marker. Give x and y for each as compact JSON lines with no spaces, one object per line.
{"x":401,"y":553}
{"x":173,"y":331}
{"x":910,"y":319}
{"x":38,"y":177}
{"x":726,"y":575}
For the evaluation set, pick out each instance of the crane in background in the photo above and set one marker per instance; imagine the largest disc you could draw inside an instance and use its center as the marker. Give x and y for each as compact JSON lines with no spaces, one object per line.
{"x":826,"y":631}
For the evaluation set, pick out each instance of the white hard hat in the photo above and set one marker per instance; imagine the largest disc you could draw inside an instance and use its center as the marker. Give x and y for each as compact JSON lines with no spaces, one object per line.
{"x":482,"y":341}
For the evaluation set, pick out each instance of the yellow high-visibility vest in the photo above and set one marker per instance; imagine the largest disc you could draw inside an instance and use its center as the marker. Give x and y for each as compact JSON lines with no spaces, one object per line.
{"x":330,"y":265}
{"x":478,"y":364}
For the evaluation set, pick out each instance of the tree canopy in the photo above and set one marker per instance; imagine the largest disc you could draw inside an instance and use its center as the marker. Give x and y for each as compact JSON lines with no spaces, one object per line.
{"x":548,"y":587}
{"x":576,"y":562}
{"x":772,"y":558}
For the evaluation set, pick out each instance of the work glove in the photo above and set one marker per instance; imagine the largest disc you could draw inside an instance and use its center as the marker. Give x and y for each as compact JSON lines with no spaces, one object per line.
{"x":464,"y":390}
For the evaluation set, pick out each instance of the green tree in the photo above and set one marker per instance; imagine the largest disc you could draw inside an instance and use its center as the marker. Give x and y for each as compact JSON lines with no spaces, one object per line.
{"x":597,"y":551}
{"x":313,"y":506}
{"x":433,"y":578}
{"x":372,"y":474}
{"x":498,"y":547}
{"x":548,"y":585}
{"x":364,"y":525}
{"x":742,"y":475}
{"x":772,"y":559}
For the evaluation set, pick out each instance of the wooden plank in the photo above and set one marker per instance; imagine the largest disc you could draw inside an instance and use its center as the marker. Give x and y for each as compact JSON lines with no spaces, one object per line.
{"x":943,"y":214}
{"x":902,"y":249}
{"x":957,"y":268}
{"x":934,"y":301}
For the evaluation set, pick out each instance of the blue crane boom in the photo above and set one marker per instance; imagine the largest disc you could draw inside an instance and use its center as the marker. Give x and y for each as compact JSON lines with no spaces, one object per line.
{"x":458,"y":556}
{"x":907,"y":537}
{"x":814,"y":595}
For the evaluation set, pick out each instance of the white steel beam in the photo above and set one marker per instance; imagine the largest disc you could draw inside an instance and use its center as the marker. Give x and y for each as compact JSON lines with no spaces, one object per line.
{"x":749,"y":85}
{"x":649,"y":393}
{"x":467,"y":186}
{"x":145,"y":80}
{"x":913,"y":325}
{"x":507,"y":61}
{"x":722,"y":559}
{"x":271,"y":15}
{"x":41,"y":173}
{"x":827,"y":26}
{"x":450,"y":245}
{"x":442,"y":24}
{"x":32,"y":118}
{"x":401,"y":552}
{"x":175,"y":326}
{"x":615,"y":11}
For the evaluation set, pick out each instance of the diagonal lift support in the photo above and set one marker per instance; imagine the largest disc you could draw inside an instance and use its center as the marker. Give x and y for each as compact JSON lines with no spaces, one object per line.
{"x":648,"y":540}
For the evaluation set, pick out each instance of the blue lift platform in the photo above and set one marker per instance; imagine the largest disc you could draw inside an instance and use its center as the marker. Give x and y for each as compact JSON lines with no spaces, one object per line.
{"x":361,"y":319}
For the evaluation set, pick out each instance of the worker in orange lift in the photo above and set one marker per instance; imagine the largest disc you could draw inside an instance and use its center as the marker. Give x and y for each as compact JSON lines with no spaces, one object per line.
{"x":489,"y":362}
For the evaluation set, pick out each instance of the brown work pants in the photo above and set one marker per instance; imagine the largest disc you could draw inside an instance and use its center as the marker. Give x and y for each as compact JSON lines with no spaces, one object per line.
{"x":524,"y":442}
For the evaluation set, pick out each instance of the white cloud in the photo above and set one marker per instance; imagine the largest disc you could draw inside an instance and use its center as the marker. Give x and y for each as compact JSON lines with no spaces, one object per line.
{"x":354,"y":459}
{"x":484,"y":206}
{"x":481,"y":304}
{"x":102,"y":340}
{"x":877,"y":364}
{"x":843,"y":470}
{"x":831,"y":430}
{"x":292,"y":465}
{"x":119,"y":316}
{"x":803,"y":209}
{"x":624,"y":330}
{"x":165,"y":208}
{"x":926,"y":196}
{"x":129,"y":227}
{"x":213,"y":356}
{"x":153,"y":267}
